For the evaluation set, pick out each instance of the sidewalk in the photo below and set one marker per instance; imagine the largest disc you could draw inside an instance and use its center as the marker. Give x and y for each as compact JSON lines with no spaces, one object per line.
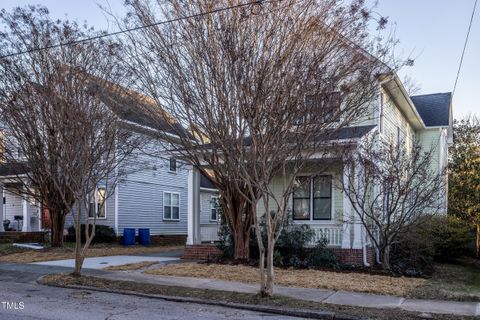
{"x":316,"y":295}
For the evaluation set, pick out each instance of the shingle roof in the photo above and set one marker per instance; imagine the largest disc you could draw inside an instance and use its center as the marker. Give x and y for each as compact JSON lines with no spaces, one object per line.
{"x":434,"y":109}
{"x":134,"y":107}
{"x":12,"y":169}
{"x":205,"y":182}
{"x":352,"y":132}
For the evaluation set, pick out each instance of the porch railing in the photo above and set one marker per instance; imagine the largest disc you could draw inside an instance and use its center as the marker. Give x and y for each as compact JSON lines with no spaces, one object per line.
{"x":333,"y":234}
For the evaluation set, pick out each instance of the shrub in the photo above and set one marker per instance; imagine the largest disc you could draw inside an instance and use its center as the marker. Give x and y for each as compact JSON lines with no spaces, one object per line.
{"x":321,"y":256}
{"x":451,"y":237}
{"x":103,"y":234}
{"x":439,"y":237}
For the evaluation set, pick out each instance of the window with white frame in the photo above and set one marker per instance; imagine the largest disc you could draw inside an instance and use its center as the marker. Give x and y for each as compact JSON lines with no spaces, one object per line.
{"x":171,"y":206}
{"x":214,"y":208}
{"x":173,"y":165}
{"x":97,"y":203}
{"x":312,"y":198}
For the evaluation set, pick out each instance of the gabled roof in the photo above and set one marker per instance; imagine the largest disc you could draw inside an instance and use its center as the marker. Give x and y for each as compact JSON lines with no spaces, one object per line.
{"x":434,"y":108}
{"x":206,"y":183}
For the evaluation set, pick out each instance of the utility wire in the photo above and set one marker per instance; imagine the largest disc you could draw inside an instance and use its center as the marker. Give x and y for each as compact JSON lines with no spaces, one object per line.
{"x":246,"y":4}
{"x":464,"y":47}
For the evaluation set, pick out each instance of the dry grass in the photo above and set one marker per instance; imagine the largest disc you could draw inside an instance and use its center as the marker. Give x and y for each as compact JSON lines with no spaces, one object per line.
{"x":98,"y":250}
{"x":361,"y":282}
{"x":132,"y":266}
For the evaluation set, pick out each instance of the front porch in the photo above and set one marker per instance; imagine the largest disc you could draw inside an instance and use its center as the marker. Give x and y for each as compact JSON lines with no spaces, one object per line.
{"x":331,"y":218}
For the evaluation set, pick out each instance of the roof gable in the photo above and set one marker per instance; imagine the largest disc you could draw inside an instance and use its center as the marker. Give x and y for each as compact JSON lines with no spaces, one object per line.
{"x":434,"y":109}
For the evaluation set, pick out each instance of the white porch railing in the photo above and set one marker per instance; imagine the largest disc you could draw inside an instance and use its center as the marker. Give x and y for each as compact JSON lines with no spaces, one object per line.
{"x":209,"y":232}
{"x":333,"y":234}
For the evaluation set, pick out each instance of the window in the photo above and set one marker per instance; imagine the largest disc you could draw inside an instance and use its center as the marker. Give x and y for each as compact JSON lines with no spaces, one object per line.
{"x":322,"y":198}
{"x":301,"y":199}
{"x":171,"y":206}
{"x":97,"y":203}
{"x":214,"y":209}
{"x":312,"y":198}
{"x":173,"y":165}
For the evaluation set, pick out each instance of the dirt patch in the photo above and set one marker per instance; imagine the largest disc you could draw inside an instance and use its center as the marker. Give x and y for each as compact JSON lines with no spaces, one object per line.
{"x":132,"y":266}
{"x":216,"y":296}
{"x":97,"y":250}
{"x":360,"y":282}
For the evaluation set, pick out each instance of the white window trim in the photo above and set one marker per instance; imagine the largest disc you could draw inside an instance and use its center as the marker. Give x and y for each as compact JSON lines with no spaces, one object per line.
{"x":212,"y":199}
{"x":96,"y":203}
{"x":332,"y":208}
{"x":163,"y":206}
{"x":176,"y":166}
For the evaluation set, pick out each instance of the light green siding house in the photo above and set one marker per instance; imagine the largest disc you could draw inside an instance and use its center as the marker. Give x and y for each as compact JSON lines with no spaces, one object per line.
{"x":393,"y":116}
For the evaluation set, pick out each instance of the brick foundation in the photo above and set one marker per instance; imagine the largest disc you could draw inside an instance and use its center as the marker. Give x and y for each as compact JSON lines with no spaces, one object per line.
{"x":160,"y":239}
{"x":201,"y":252}
{"x":21,"y":237}
{"x":354,"y":256}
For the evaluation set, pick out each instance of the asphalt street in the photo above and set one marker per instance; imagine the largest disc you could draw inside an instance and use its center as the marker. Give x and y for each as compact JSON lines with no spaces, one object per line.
{"x":22,"y":298}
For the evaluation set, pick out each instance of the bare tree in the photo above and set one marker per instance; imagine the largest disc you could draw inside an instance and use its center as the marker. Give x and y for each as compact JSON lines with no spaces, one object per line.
{"x":60,"y":138}
{"x":237,"y":74}
{"x":391,"y":185}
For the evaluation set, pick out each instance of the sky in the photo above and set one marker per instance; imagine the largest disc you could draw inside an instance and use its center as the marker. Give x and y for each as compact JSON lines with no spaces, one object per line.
{"x":431,"y":31}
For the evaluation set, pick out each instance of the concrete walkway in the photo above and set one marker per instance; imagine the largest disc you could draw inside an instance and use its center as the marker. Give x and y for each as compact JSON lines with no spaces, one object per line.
{"x":315,"y":295}
{"x":103,"y":262}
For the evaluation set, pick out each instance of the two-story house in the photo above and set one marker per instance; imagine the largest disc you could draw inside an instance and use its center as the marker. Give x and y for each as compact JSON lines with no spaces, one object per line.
{"x":320,"y":202}
{"x":153,"y":195}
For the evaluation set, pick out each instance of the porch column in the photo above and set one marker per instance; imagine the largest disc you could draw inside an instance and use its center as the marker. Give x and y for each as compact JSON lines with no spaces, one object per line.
{"x":193,"y":226}
{"x":26,"y":227}
{"x":1,"y":208}
{"x":357,"y":221}
{"x":347,"y":213}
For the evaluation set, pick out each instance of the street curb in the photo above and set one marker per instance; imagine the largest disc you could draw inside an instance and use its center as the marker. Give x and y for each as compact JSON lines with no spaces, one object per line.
{"x":292,"y":312}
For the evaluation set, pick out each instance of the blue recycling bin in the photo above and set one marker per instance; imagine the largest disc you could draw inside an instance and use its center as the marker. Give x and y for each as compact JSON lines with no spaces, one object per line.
{"x":128,"y":236}
{"x":144,"y":236}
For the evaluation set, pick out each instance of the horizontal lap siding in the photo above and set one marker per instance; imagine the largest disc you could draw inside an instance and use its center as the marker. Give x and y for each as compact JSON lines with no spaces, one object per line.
{"x":205,"y":207}
{"x":140,"y":199}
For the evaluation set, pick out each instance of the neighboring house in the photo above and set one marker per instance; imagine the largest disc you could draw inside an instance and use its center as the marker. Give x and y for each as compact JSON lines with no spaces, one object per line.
{"x":320,"y":203}
{"x":153,"y":195}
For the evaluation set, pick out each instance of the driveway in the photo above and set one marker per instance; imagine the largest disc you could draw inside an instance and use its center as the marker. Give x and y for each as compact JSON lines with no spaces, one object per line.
{"x":108,"y":261}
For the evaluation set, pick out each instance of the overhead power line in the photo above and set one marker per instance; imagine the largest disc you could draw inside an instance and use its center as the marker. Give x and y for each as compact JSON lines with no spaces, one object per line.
{"x":200,"y":14}
{"x":464,"y":47}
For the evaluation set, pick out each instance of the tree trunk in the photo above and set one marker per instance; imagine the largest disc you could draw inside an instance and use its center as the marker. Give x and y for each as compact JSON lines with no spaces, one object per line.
{"x":261,"y":270}
{"x":242,"y":244}
{"x":270,"y":271}
{"x":56,"y":228}
{"x":386,"y":258}
{"x":242,"y":221}
{"x":478,"y":240}
{"x":78,"y":243}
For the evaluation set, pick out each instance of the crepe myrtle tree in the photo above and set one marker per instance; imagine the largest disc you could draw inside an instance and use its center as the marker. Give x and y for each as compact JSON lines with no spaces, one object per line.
{"x":237,"y":74}
{"x":390,"y":186}
{"x":59,"y":138}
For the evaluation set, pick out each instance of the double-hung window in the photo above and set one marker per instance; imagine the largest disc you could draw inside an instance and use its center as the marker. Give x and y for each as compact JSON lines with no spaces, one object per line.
{"x":173,"y":165}
{"x":97,"y":203}
{"x":214,"y":209}
{"x":312,"y":198}
{"x":171,"y":206}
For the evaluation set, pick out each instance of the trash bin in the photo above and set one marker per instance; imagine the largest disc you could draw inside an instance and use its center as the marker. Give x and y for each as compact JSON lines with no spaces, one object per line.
{"x":144,"y":236}
{"x":128,"y":236}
